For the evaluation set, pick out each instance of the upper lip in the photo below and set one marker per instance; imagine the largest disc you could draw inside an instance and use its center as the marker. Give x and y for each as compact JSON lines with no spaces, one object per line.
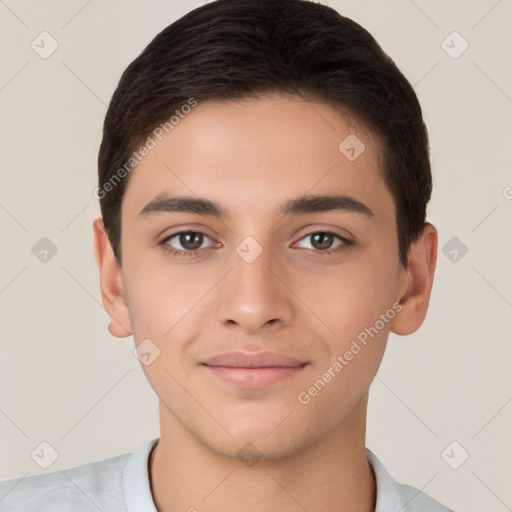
{"x":253,"y":360}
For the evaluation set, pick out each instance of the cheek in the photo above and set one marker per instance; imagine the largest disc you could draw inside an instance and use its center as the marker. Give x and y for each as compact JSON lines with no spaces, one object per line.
{"x":160,"y":295}
{"x":349,"y":298}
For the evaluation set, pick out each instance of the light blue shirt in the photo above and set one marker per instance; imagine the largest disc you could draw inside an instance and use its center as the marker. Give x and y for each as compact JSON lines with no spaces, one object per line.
{"x":121,"y":484}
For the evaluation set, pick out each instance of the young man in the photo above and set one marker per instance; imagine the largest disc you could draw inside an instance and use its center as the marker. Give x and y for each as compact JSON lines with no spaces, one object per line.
{"x":263,"y":181}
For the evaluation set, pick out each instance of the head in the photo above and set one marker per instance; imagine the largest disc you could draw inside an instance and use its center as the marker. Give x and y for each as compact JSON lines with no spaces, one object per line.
{"x":299,"y":156}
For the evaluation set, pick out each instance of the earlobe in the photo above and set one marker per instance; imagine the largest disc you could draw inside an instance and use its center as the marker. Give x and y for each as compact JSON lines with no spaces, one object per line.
{"x":111,"y":282}
{"x":420,"y":276}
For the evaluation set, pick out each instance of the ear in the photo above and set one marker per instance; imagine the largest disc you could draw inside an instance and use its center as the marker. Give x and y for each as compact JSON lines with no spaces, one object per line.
{"x":111,"y":282}
{"x":420,"y":276}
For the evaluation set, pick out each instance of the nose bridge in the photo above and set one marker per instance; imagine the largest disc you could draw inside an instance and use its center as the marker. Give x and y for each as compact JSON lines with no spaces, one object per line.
{"x":251,"y":295}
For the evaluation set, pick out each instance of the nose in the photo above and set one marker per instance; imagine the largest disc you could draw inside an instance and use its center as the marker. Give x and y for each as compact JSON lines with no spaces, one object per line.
{"x":253,"y":297}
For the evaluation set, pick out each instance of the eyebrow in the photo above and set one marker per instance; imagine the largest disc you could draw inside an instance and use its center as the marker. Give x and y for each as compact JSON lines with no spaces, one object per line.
{"x":164,"y":203}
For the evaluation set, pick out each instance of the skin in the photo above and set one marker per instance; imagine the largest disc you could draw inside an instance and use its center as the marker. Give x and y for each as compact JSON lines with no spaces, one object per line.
{"x":249,"y":156}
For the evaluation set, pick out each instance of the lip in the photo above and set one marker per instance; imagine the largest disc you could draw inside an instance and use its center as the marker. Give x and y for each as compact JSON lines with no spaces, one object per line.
{"x":253,"y":370}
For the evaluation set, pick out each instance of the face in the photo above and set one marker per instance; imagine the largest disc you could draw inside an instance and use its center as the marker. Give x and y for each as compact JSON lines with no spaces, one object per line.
{"x":268,"y":316}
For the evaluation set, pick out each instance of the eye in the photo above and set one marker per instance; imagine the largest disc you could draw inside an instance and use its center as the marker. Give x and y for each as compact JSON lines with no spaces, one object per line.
{"x":322,"y":241}
{"x":189,"y":243}
{"x":185,"y":243}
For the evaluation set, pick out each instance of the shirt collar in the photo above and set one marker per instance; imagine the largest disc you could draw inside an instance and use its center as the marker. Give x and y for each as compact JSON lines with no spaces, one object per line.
{"x":136,"y":488}
{"x":138,"y":497}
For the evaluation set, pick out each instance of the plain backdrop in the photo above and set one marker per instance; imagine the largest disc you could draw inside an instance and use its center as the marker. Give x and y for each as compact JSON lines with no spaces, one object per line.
{"x":66,"y":381}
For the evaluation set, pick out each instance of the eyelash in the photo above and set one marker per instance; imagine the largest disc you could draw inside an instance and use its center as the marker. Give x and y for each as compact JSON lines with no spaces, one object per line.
{"x":182,"y":253}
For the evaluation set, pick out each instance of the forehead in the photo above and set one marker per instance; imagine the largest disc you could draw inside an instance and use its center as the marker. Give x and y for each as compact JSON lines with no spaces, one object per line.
{"x":261,"y":150}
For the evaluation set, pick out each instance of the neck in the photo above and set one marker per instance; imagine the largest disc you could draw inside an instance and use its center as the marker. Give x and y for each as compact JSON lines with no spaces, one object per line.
{"x":329,"y":475}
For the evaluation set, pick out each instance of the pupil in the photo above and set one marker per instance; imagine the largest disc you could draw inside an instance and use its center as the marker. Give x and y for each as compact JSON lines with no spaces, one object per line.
{"x":322,"y":240}
{"x":191,"y":241}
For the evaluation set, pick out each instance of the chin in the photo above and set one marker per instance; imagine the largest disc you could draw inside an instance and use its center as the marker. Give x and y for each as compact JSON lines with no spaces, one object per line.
{"x":253,"y":449}
{"x":261,"y":439}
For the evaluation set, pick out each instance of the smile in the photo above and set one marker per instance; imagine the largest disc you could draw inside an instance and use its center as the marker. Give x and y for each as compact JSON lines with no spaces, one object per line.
{"x":253,"y":371}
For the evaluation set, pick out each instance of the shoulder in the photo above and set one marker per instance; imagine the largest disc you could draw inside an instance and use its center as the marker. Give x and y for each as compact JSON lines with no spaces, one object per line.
{"x":90,"y":487}
{"x":392,"y":495}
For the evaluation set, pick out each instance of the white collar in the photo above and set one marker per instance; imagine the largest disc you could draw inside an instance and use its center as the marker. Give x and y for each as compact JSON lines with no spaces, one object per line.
{"x":391,"y":496}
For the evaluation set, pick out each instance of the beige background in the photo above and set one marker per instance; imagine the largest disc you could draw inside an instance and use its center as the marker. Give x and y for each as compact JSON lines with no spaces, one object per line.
{"x":66,"y":381}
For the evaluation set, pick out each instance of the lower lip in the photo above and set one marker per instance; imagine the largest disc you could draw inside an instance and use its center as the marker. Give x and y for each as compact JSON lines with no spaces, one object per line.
{"x":254,"y":378}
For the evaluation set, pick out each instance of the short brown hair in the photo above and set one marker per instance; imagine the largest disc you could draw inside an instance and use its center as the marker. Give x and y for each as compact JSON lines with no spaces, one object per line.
{"x":233,"y":49}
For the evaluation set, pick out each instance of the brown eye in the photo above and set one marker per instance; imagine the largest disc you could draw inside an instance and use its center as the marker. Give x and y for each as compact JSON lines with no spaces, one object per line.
{"x":325,"y":241}
{"x":322,"y":240}
{"x":191,"y":241}
{"x":186,"y":241}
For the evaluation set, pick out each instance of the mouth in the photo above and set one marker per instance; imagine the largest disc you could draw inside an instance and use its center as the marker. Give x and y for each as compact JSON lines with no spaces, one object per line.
{"x":253,"y":371}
